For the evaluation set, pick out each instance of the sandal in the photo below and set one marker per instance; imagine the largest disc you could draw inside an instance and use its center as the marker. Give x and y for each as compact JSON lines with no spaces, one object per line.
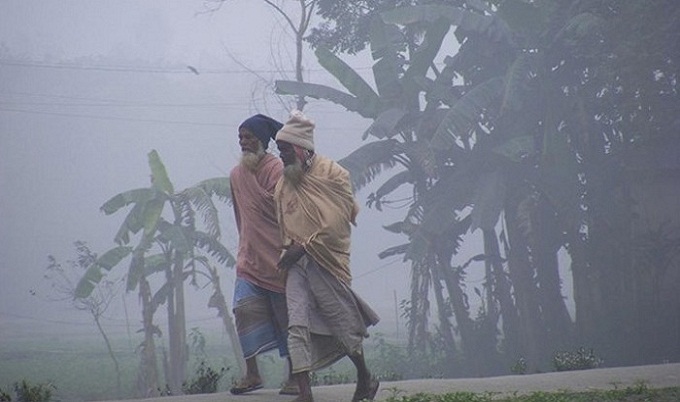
{"x":242,"y":388}
{"x":289,"y":388}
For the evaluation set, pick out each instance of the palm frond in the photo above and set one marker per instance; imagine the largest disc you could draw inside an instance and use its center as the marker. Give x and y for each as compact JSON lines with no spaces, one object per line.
{"x":401,"y":227}
{"x":159,"y":176}
{"x":161,"y":296}
{"x":369,"y":160}
{"x":155,"y":263}
{"x":176,"y":235}
{"x":488,"y":201}
{"x":464,"y":114}
{"x":384,"y":126}
{"x":515,"y":82}
{"x":94,"y":273}
{"x":136,"y":270}
{"x":213,"y":247}
{"x":388,"y":187}
{"x":580,"y":26}
{"x":201,"y":200}
{"x":317,"y":91}
{"x":394,"y":250}
{"x":488,"y":25}
{"x":369,"y":101}
{"x":387,"y":44}
{"x":151,"y":215}
{"x":217,"y":186}
{"x":422,"y":60}
{"x":121,"y":200}
{"x":133,"y":223}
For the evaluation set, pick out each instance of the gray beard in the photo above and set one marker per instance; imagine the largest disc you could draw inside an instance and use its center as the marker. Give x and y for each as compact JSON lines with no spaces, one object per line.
{"x":293,"y":173}
{"x":250,"y":160}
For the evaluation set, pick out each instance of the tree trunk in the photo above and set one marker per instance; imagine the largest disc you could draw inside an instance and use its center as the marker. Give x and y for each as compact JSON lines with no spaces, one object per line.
{"x":461,"y":310}
{"x":444,"y":312}
{"x":177,"y":326}
{"x":546,"y":241}
{"x":525,"y":291}
{"x":419,"y":309}
{"x":501,"y":288}
{"x":147,"y":378}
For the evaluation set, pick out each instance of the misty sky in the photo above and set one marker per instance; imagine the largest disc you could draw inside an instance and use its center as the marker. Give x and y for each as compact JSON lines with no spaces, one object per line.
{"x":88,"y":88}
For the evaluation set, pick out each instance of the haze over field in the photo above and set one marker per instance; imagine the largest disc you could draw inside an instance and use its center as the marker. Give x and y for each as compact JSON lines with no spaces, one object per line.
{"x":87,"y":89}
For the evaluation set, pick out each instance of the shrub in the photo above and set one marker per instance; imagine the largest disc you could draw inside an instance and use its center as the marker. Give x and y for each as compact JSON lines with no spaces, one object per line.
{"x":581,"y":359}
{"x":205,"y":382}
{"x":520,"y":366}
{"x":26,"y":392}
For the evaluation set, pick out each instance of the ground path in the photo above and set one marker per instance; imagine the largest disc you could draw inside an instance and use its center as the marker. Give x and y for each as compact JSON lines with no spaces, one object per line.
{"x":654,"y":376}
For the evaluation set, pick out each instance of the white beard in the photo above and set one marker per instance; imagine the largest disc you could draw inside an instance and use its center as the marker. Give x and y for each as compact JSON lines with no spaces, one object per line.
{"x":250,"y":160}
{"x":293,"y":174}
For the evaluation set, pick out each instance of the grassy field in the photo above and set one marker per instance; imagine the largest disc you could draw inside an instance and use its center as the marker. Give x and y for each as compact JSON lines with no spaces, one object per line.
{"x":80,"y":369}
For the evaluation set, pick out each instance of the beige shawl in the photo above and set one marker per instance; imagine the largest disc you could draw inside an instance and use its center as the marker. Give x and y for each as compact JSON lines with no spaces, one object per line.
{"x":317,"y":214}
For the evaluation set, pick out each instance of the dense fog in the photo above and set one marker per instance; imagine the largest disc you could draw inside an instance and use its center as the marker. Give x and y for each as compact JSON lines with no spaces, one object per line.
{"x":87,"y":89}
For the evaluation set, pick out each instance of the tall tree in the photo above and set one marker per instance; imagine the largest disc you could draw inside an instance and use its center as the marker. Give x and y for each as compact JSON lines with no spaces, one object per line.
{"x":403,"y":131}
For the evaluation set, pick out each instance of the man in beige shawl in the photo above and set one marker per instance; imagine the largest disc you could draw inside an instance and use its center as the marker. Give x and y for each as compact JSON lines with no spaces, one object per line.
{"x":259,"y":291}
{"x":315,"y":208}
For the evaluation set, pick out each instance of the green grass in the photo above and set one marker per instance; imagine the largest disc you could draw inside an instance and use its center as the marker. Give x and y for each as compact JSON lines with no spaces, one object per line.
{"x":631,"y":394}
{"x":81,"y":370}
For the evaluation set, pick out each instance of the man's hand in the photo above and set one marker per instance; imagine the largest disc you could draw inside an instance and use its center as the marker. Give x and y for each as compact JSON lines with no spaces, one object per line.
{"x":292,"y":254}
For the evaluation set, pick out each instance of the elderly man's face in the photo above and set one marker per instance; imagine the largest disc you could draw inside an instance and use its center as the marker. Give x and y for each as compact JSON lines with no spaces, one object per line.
{"x":248,"y":141}
{"x":286,"y":152}
{"x":292,"y":164}
{"x":252,"y":150}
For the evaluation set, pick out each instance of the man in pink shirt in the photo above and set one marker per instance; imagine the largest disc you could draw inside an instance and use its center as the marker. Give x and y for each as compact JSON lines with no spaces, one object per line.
{"x":259,"y":292}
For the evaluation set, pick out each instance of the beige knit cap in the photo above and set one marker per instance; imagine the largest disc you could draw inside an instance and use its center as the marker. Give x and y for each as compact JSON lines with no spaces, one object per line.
{"x":298,"y":130}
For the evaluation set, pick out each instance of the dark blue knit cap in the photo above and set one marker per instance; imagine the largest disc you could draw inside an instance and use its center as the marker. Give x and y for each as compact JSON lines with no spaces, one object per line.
{"x":264,"y":128}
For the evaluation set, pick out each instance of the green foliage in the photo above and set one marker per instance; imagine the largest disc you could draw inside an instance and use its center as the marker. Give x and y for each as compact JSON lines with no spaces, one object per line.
{"x":331,"y":377}
{"x":94,"y":274}
{"x":581,"y":359}
{"x":5,"y":397}
{"x":387,"y":358}
{"x":520,"y":366}
{"x":205,"y":381}
{"x":27,"y":392}
{"x":631,"y":394}
{"x":197,"y":342}
{"x":450,"y":397}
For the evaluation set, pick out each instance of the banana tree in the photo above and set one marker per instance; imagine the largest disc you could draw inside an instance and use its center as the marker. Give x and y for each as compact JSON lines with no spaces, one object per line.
{"x":175,"y":248}
{"x":403,"y":133}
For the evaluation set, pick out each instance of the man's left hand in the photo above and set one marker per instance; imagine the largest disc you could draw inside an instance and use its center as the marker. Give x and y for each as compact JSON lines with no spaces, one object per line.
{"x":292,"y":254}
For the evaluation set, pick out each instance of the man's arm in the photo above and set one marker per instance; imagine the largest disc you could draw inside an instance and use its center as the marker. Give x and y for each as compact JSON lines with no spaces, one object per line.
{"x":290,"y":256}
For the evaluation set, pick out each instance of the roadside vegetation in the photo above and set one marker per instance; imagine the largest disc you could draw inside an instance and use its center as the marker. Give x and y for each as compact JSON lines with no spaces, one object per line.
{"x":633,"y":394}
{"x":31,"y":370}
